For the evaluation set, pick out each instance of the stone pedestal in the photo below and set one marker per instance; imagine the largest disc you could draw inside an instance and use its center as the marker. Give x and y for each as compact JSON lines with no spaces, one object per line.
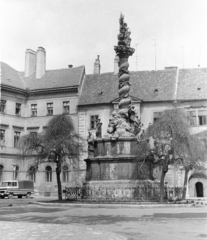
{"x":115,"y":171}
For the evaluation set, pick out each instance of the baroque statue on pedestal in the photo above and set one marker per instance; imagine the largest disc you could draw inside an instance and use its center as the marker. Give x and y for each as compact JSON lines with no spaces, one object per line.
{"x":125,"y":121}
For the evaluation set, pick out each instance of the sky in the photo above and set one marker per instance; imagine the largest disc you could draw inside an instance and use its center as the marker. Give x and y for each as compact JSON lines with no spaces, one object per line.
{"x":163,"y":32}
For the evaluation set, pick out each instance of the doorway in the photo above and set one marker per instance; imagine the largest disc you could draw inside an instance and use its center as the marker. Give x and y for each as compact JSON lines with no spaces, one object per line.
{"x":199,"y":189}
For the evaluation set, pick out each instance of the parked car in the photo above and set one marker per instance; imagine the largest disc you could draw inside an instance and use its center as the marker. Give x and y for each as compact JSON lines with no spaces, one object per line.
{"x":20,"y":188}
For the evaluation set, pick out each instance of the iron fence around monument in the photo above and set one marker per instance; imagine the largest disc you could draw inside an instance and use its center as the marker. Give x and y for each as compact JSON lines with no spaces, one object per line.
{"x":105,"y":194}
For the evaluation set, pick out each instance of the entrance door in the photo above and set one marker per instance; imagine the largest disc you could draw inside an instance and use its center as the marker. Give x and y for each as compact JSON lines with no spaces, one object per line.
{"x":199,"y":189}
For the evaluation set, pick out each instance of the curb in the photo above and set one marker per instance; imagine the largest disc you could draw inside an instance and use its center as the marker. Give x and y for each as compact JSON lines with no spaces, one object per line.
{"x":100,"y":205}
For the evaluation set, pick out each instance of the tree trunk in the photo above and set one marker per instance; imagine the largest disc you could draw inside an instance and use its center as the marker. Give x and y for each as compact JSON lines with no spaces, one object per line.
{"x":187,"y":169}
{"x":58,"y":171}
{"x":162,"y":182}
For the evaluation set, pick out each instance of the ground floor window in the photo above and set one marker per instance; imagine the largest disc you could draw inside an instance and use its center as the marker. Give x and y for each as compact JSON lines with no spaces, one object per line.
{"x":32,"y":174}
{"x":48,"y":174}
{"x":65,"y":173}
{"x":16,"y":172}
{"x":1,"y":172}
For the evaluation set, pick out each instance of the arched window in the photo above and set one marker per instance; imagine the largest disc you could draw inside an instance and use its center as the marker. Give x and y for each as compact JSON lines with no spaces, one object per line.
{"x":32,"y":174}
{"x":16,"y":172}
{"x":65,"y":173}
{"x":1,"y":172}
{"x":48,"y":174}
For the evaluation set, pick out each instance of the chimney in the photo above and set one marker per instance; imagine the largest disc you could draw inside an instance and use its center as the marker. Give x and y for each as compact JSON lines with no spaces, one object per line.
{"x":97,"y":66}
{"x":70,"y":66}
{"x":41,"y":62}
{"x":116,"y":64}
{"x":30,"y":62}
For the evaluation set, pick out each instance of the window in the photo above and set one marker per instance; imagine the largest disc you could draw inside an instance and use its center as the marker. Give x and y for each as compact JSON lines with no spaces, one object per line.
{"x":33,"y":134}
{"x":16,"y":139}
{"x":49,"y":108}
{"x":156,"y":115}
{"x":1,"y":173}
{"x":65,"y":173}
{"x":192,"y":118}
{"x":2,"y":137}
{"x":32,"y":173}
{"x":34,"y":110}
{"x":202,"y":117}
{"x":66,"y":107}
{"x":18,"y":109}
{"x":48,"y":174}
{"x":2,"y":106}
{"x":16,"y":172}
{"x":197,"y":117}
{"x":94,"y":119}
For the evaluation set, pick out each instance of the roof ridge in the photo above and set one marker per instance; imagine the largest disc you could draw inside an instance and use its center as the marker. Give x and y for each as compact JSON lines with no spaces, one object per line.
{"x":65,"y":68}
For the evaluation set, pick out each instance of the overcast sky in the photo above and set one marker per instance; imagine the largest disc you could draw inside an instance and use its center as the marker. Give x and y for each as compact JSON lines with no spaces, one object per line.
{"x":76,"y":31}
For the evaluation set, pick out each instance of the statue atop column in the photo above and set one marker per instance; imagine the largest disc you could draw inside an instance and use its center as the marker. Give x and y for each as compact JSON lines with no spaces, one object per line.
{"x":125,"y":120}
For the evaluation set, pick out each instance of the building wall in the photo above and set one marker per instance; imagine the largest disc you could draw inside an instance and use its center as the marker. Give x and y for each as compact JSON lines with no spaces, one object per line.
{"x":25,"y":124}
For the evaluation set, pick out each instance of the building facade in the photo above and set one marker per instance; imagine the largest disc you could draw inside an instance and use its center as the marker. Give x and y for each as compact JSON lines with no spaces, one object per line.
{"x":152,"y":92}
{"x":29,"y":100}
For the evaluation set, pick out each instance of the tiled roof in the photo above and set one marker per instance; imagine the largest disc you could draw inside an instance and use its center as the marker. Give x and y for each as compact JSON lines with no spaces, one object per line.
{"x":11,"y":77}
{"x":192,"y":84}
{"x":52,"y":78}
{"x":56,"y":78}
{"x":103,"y":88}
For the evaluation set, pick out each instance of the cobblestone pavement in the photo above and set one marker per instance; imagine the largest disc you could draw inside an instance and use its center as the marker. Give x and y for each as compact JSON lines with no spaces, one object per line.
{"x":37,"y":231}
{"x":31,"y":222}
